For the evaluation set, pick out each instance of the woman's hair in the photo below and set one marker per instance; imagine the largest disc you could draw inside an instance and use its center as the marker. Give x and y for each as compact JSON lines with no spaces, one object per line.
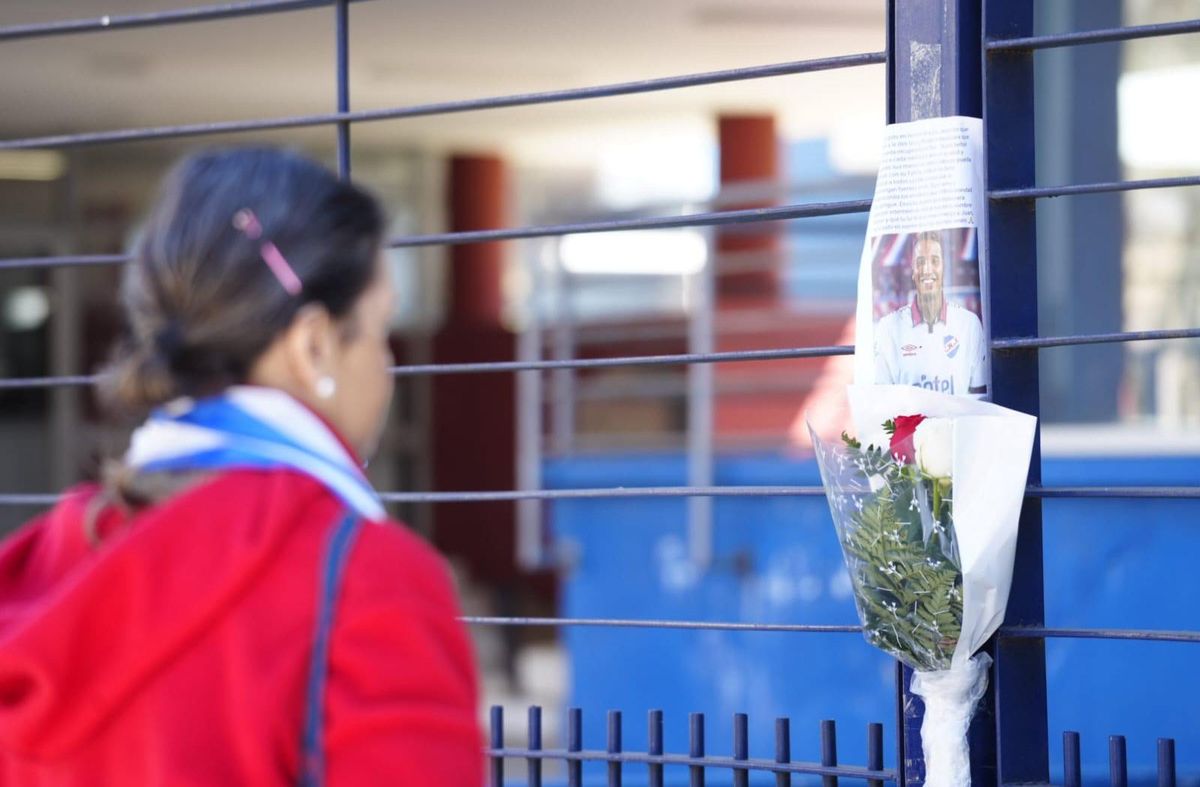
{"x":201,"y":302}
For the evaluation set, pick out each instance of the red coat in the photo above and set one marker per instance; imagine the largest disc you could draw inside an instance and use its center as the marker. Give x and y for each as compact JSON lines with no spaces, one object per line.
{"x":175,"y":652}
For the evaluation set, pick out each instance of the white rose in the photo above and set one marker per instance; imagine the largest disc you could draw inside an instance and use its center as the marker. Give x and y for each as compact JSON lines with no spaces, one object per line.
{"x":933,"y":443}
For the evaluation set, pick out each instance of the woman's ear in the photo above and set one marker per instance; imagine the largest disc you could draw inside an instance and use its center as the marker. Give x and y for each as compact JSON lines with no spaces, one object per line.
{"x":311,"y":346}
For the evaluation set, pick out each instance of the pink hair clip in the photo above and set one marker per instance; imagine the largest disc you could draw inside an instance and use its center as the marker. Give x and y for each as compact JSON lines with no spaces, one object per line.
{"x":247,"y":222}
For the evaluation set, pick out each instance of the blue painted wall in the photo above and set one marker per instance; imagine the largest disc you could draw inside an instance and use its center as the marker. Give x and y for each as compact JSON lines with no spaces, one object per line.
{"x":1108,"y":564}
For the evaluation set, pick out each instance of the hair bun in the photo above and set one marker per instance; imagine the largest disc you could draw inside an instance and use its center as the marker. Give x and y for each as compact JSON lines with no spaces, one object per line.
{"x":139,"y":380}
{"x":170,"y":340}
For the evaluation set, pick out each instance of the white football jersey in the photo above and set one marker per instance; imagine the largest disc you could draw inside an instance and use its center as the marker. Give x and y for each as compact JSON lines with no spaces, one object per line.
{"x":949,"y":356}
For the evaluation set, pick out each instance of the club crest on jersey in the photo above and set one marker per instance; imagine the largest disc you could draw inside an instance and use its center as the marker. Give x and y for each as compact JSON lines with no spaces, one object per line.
{"x":950,"y":345}
{"x":909,"y":350}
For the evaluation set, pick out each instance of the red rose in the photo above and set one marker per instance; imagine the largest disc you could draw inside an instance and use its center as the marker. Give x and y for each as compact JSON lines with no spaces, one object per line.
{"x":902,"y":438}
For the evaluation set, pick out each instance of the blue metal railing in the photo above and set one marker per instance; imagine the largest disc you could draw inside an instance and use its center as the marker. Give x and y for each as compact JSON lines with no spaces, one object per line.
{"x":486,"y":367}
{"x":697,"y":762}
{"x":115,"y":22}
{"x":1060,"y":492}
{"x":616,"y":758}
{"x":448,"y":107}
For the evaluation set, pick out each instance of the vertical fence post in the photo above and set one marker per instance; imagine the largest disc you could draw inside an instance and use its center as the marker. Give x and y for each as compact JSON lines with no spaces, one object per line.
{"x":574,"y":744}
{"x":1019,"y":685}
{"x":903,"y":697}
{"x":342,"y":9}
{"x":875,"y":752}
{"x":783,"y":750}
{"x":497,"y":741}
{"x":66,"y":337}
{"x":562,"y":381}
{"x":530,"y":546}
{"x":614,"y":747}
{"x":696,"y":748}
{"x":700,"y":391}
{"x":1166,"y":762}
{"x":741,"y":749}
{"x":1118,"y":769}
{"x":655,"y":747}
{"x":1071,"y":761}
{"x":934,"y":60}
{"x":829,"y":751}
{"x":535,"y":744}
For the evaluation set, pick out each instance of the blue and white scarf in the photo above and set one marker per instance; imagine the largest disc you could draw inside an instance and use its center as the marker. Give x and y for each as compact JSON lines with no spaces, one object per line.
{"x":251,"y":427}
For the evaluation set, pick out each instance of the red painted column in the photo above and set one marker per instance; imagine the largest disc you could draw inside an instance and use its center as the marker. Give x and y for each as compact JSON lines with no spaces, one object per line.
{"x":478,"y":200}
{"x":473,"y":428}
{"x":748,"y":288}
{"x":750,"y":174}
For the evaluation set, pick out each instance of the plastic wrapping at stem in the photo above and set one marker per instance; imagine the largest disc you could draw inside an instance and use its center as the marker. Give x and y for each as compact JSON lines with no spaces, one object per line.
{"x":950,"y":699}
{"x":992,"y":448}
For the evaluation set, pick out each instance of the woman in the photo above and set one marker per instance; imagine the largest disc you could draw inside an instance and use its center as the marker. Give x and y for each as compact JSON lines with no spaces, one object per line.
{"x":231,"y":606}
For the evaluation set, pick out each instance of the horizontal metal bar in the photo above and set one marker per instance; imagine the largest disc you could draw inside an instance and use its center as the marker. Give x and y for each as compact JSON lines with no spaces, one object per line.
{"x":1037,"y":632}
{"x":1041,"y":192}
{"x":64,"y":261}
{"x":601,"y":390}
{"x":1001,"y":345}
{"x":847,"y":771}
{"x":1146,"y":635}
{"x":503,"y":495}
{"x":1082,"y":37}
{"x":733,"y":356}
{"x":599,"y":493}
{"x":660,"y":624}
{"x":1094,"y":338}
{"x":635,"y":360}
{"x":1102,"y":492}
{"x":14,"y":383}
{"x":205,"y":13}
{"x":449,"y":107}
{"x":603,"y":492}
{"x":47,"y":499}
{"x":708,"y":219}
{"x":1124,"y":492}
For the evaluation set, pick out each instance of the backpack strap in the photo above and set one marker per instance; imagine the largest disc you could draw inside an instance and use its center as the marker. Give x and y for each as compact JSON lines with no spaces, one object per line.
{"x":337,"y":550}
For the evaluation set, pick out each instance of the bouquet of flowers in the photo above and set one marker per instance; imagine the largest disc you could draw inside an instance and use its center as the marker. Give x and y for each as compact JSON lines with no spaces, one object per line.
{"x":926,"y":499}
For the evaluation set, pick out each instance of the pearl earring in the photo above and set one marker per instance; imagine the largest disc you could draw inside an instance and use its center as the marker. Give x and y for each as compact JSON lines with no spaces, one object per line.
{"x":326,"y":387}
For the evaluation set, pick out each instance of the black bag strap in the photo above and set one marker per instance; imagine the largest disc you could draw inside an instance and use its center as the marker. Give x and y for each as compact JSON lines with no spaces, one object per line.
{"x":337,"y":549}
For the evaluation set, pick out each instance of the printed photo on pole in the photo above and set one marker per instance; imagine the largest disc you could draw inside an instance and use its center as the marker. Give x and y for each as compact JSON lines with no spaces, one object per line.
{"x":922,"y":281}
{"x":928,"y":327}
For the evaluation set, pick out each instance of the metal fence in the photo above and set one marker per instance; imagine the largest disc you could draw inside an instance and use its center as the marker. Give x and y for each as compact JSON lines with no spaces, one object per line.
{"x":696,"y":763}
{"x":987,"y":49}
